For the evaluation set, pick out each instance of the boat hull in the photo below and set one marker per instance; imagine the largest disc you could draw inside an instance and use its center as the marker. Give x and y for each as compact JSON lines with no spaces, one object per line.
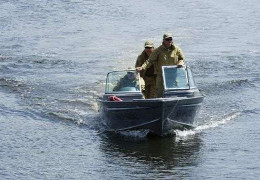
{"x":160,"y":116}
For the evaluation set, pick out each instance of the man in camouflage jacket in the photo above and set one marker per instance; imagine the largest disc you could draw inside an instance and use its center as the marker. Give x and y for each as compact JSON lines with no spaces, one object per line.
{"x":165,"y":55}
{"x":149,"y":75}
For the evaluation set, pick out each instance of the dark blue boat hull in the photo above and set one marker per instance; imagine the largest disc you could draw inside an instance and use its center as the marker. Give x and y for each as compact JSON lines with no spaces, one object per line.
{"x":160,"y":116}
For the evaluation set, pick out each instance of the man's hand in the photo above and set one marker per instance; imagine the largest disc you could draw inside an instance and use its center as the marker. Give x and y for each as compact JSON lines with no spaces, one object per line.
{"x":138,"y":69}
{"x":180,"y":64}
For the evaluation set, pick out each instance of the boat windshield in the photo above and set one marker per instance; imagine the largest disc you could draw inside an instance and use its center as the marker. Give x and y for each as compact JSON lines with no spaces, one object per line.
{"x":177,"y":78}
{"x":123,"y":81}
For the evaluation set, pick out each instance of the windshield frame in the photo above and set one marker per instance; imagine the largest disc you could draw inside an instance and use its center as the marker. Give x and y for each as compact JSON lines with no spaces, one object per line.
{"x":187,"y":87}
{"x":108,"y":90}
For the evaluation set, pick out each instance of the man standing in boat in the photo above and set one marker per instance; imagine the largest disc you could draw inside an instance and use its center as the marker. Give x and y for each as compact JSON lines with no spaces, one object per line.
{"x":165,"y":55}
{"x":149,"y":75}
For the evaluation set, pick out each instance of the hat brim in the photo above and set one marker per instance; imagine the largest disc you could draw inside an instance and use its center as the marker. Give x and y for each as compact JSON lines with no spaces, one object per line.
{"x":166,"y":37}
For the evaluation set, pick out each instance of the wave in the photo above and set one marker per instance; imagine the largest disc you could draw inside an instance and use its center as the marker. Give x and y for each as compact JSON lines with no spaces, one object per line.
{"x":5,"y":58}
{"x":252,"y":111}
{"x":91,"y":94}
{"x":14,"y":85}
{"x":37,"y":62}
{"x":86,"y":119}
{"x":231,"y":85}
{"x":82,"y":102}
{"x":240,"y":82}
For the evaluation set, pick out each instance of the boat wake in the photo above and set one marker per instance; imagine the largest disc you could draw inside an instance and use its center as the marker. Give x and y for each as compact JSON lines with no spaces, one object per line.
{"x":181,"y":134}
{"x":185,"y":134}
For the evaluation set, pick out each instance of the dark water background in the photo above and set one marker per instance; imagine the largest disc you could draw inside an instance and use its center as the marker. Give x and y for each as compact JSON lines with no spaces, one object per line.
{"x":54,"y":56}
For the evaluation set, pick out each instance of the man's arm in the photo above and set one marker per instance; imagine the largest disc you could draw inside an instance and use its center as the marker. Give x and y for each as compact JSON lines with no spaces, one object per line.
{"x":138,"y":62}
{"x":180,"y":57}
{"x":152,"y":59}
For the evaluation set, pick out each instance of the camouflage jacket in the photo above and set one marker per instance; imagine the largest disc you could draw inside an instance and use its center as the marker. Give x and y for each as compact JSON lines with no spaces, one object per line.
{"x":140,"y":61}
{"x":163,"y":56}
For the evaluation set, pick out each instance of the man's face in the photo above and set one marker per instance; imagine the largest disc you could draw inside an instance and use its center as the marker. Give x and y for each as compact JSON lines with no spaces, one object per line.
{"x":131,"y":75}
{"x":148,"y":50}
{"x":167,"y":42}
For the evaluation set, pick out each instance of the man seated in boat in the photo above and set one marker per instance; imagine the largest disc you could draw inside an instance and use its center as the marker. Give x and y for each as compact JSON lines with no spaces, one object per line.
{"x":126,"y":83}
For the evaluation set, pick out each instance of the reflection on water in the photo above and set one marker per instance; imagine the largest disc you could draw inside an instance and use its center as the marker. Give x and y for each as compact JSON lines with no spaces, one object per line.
{"x":167,"y":152}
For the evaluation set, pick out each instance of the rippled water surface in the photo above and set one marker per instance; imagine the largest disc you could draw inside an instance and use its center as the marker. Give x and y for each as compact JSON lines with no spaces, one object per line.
{"x":54,"y":56}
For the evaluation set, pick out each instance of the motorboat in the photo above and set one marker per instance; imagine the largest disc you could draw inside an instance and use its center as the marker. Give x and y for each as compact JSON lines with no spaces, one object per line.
{"x":124,"y":108}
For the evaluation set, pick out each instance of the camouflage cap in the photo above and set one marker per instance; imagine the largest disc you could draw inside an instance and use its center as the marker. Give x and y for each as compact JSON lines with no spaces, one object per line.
{"x":167,"y":35}
{"x":148,"y":44}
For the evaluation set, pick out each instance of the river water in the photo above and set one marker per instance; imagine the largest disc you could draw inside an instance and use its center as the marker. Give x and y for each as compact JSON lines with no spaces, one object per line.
{"x":54,"y":56}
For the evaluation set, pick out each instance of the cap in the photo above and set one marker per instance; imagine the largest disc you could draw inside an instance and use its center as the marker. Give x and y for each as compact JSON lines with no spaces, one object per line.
{"x":148,"y":44}
{"x":167,"y":35}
